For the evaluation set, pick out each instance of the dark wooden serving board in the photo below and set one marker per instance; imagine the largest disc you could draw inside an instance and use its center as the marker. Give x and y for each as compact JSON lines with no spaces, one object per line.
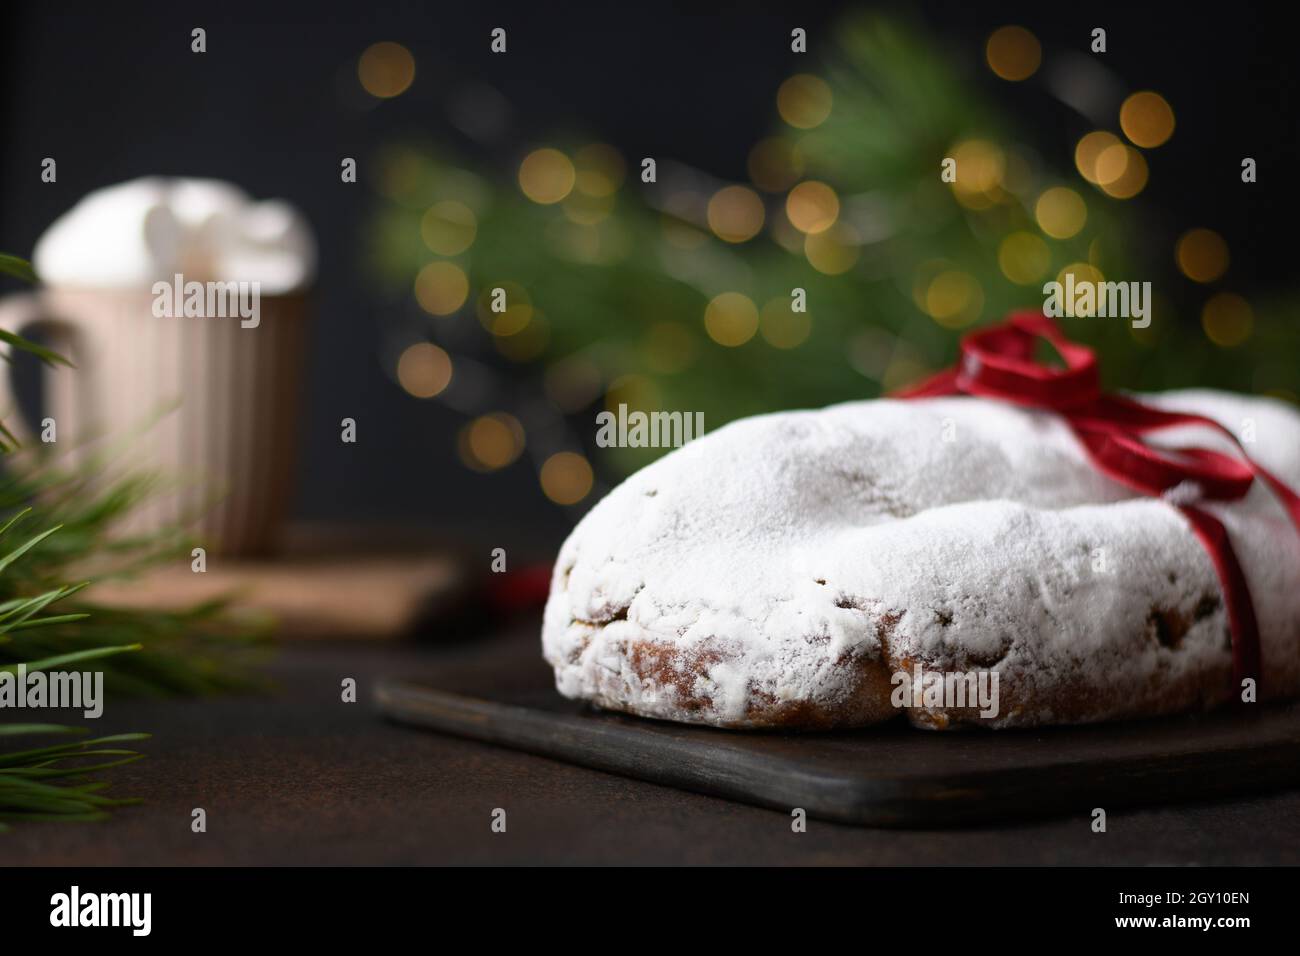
{"x":891,"y":776}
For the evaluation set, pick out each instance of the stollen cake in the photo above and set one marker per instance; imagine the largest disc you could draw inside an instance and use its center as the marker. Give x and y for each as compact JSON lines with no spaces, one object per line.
{"x":784,"y":570}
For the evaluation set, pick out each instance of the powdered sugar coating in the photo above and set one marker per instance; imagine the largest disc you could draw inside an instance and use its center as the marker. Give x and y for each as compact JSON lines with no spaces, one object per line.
{"x":778,"y":570}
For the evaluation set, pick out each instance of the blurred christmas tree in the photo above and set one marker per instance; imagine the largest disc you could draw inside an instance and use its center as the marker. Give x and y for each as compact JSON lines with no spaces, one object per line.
{"x":679,"y":294}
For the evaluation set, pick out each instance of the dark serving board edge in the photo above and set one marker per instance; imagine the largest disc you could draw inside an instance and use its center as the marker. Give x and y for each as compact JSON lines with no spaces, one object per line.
{"x":726,"y":767}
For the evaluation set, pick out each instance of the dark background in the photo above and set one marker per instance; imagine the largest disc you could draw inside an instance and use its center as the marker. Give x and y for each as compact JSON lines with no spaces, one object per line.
{"x":113,"y":92}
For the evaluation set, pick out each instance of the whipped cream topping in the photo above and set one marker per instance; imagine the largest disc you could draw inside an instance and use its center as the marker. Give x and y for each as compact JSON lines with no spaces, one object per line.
{"x":138,"y":232}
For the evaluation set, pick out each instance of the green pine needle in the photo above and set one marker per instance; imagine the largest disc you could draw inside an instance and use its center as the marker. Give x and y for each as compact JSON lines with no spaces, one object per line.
{"x":141,"y":651}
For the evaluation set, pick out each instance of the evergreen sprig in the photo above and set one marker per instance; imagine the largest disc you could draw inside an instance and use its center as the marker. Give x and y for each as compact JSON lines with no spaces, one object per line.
{"x":605,"y":286}
{"x":53,"y":782}
{"x":47,"y":622}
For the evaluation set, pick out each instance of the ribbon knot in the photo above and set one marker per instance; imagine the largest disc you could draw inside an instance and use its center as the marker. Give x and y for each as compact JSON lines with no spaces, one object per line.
{"x":998,"y":363}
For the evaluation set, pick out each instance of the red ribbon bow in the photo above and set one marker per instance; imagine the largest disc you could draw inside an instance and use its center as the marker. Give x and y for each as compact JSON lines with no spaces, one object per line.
{"x":998,"y":362}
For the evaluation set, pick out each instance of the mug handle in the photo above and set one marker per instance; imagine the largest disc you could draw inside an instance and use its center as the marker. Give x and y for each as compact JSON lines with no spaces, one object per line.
{"x":18,"y":313}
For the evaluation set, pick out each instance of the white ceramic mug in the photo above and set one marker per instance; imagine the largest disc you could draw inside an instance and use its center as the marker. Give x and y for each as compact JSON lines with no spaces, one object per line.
{"x":222,"y":399}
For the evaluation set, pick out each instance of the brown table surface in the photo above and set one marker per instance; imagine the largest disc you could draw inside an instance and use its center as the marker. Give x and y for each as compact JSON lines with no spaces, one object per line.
{"x":299,"y":777}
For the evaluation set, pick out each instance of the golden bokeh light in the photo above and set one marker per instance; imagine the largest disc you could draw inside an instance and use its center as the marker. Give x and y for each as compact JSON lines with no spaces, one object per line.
{"x":782,"y":327}
{"x":1227,"y":319}
{"x":1202,"y":255}
{"x":731,"y":319}
{"x":634,"y":390}
{"x":980,"y":170}
{"x":491,"y":441}
{"x":1061,"y":212}
{"x":735,"y":213}
{"x":833,"y":251}
{"x":448,"y":228}
{"x":1132,"y":176}
{"x":1089,"y":151}
{"x":526,"y":344}
{"x":441,"y":288}
{"x":546,"y":176}
{"x":1147,"y":119}
{"x":386,"y":69}
{"x":516,"y":315}
{"x":1024,"y":258}
{"x":423,"y":370}
{"x":954,"y":299}
{"x":804,"y":101}
{"x":566,"y":478}
{"x":902,"y":371}
{"x":775,"y":164}
{"x":586,"y":209}
{"x":1013,"y":53}
{"x":812,"y":206}
{"x":1082,"y":271}
{"x":600,"y":170}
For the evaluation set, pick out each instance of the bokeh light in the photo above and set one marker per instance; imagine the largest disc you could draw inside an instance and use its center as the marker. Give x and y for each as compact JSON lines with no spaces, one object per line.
{"x":980,"y":169}
{"x":775,"y":164}
{"x":1146,"y":119}
{"x":490,"y":442}
{"x":1013,"y":53}
{"x":804,"y":101}
{"x":736,"y":213}
{"x":546,"y":176}
{"x":833,"y":251}
{"x":599,"y":170}
{"x":1088,"y":158}
{"x":812,"y":206}
{"x":566,"y":478}
{"x":441,"y":288}
{"x":586,"y":209}
{"x":1024,"y":257}
{"x":518,"y":310}
{"x":731,"y":319}
{"x":1082,"y":272}
{"x":954,"y":299}
{"x":1060,"y":212}
{"x":448,"y":228}
{"x":636,"y":391}
{"x":423,"y":370}
{"x":1131,"y":177}
{"x":527,"y":343}
{"x":1227,"y":319}
{"x":1088,"y":152}
{"x":782,"y":327}
{"x":1202,"y":255}
{"x":386,"y":69}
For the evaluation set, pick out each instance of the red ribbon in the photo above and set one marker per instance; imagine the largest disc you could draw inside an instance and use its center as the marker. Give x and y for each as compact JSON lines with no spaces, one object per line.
{"x":998,"y":363}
